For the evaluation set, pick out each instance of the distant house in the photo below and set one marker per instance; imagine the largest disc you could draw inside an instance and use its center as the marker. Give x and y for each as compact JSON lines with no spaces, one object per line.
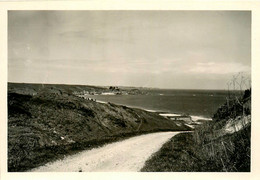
{"x":107,"y":93}
{"x":180,"y":118}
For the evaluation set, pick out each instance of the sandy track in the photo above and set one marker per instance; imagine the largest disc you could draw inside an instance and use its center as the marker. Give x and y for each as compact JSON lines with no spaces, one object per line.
{"x":125,"y":156}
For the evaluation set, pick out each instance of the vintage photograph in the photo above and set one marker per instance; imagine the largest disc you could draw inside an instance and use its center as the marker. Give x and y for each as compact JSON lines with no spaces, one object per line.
{"x":129,"y":91}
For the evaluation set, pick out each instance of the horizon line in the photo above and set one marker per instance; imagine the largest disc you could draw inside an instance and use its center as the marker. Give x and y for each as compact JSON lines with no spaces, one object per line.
{"x":144,"y":87}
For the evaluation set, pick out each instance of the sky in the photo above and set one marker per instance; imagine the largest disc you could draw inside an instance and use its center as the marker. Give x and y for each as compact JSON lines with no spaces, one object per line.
{"x":162,"y":49}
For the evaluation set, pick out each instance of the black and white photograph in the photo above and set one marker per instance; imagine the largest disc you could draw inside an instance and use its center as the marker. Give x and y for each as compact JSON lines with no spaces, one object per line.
{"x":129,"y":91}
{"x":140,"y":90}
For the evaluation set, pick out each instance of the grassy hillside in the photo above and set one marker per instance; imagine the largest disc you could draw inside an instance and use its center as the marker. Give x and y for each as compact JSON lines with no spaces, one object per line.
{"x":51,"y":123}
{"x":32,"y":89}
{"x":223,"y":145}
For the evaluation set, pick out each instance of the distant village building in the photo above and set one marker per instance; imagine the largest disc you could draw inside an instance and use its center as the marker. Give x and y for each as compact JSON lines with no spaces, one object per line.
{"x":178,"y":117}
{"x":181,"y":118}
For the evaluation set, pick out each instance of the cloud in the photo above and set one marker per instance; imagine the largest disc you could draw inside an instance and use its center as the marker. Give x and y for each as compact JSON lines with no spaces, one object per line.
{"x":218,"y":68}
{"x":186,"y":47}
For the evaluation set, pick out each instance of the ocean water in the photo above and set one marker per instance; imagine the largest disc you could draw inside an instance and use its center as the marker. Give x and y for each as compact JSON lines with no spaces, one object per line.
{"x":197,"y":103}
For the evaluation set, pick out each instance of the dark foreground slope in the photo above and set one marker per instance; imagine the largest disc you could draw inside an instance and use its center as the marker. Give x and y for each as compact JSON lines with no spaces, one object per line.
{"x":223,"y":145}
{"x":54,"y":123}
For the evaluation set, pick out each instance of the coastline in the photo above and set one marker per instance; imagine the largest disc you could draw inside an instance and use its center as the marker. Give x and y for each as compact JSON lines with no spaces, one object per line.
{"x":180,"y":119}
{"x":50,"y":126}
{"x":53,"y":124}
{"x":160,"y":112}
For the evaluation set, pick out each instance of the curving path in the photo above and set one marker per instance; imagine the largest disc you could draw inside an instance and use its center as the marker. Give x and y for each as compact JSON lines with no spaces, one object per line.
{"x":124,"y":156}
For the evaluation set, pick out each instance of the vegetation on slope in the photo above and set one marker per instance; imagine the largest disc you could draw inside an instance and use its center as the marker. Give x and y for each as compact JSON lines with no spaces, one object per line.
{"x":54,"y":123}
{"x":214,"y":146}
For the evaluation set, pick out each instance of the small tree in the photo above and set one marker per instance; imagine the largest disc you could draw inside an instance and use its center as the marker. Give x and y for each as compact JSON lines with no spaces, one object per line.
{"x":241,"y":83}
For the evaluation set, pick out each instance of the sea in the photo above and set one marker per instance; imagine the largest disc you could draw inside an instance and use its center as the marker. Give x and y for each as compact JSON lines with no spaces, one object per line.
{"x":200,"y":104}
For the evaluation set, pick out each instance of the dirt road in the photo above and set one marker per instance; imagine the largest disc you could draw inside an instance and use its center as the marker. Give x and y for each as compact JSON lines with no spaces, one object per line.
{"x":124,"y":156}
